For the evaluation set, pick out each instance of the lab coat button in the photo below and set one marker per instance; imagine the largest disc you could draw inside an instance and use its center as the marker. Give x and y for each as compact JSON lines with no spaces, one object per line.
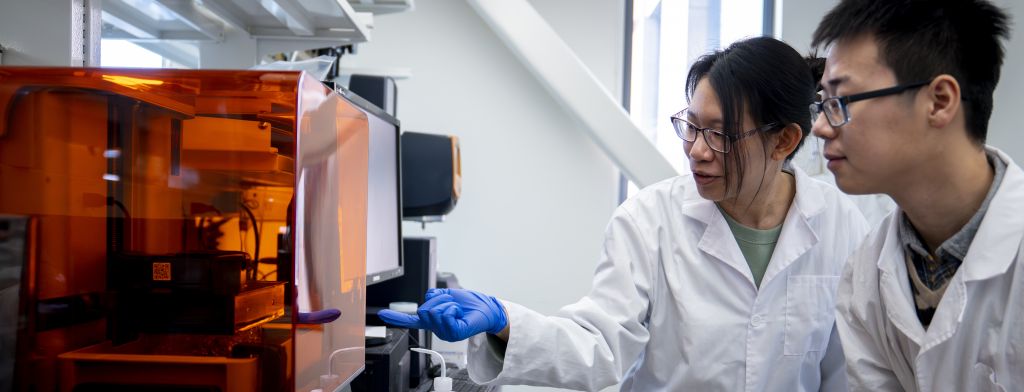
{"x":757,"y":320}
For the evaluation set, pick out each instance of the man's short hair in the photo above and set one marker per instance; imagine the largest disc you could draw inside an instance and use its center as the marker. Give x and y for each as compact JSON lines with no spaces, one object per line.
{"x":922,"y":39}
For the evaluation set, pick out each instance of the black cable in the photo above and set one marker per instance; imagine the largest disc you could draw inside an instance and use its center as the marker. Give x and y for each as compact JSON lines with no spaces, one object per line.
{"x":416,"y":343}
{"x":412,"y":336}
{"x":256,"y":231}
{"x":119,"y":205}
{"x":265,"y":275}
{"x":201,"y":227}
{"x":200,"y":230}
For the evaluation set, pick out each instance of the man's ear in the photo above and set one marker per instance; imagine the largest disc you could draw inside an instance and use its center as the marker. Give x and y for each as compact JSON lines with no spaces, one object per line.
{"x":787,"y":141}
{"x":943,"y":95}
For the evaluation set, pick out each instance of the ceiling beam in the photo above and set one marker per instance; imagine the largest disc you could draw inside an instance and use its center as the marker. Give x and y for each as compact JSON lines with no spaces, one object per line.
{"x":128,"y":20}
{"x":186,"y":12}
{"x":570,"y":82}
{"x":229,"y":17}
{"x":291,"y":14}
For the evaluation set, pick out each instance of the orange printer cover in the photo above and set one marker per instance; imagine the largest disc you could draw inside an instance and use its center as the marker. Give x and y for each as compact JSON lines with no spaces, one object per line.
{"x":167,"y":228}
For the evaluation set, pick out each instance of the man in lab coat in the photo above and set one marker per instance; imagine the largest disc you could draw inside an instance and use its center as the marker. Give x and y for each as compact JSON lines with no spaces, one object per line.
{"x":934,"y":298}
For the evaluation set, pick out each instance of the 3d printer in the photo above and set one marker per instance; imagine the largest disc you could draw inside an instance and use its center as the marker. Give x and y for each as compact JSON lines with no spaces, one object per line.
{"x":178,"y":230}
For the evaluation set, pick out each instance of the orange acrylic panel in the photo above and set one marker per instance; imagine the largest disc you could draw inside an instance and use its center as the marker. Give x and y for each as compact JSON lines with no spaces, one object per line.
{"x":201,"y":221}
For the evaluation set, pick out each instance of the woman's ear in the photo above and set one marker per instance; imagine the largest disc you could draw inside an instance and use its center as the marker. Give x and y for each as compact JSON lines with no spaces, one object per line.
{"x":787,"y":141}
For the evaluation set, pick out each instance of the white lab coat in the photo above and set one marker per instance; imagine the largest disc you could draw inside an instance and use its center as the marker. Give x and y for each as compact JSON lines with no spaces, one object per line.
{"x":674,"y":306}
{"x":976,"y":338}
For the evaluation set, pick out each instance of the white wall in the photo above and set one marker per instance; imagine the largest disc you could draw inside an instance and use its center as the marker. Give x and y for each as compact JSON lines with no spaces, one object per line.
{"x":801,"y":17}
{"x":537,"y":192}
{"x":43,"y":33}
{"x":1005,"y":127}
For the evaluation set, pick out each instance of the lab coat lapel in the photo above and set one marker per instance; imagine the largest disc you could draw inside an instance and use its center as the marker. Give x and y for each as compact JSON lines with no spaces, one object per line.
{"x":990,"y":254}
{"x":798,"y":236}
{"x":994,"y":247}
{"x":796,"y":239}
{"x":894,"y":286}
{"x":717,"y":240}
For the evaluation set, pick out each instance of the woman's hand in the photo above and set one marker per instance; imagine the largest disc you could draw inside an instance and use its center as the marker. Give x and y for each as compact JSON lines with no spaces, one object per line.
{"x":454,"y":315}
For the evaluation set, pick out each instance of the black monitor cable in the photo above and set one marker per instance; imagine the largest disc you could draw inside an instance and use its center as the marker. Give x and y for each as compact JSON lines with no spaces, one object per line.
{"x":256,"y":231}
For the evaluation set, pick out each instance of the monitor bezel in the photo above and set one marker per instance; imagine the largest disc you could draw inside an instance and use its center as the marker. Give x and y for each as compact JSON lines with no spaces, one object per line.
{"x":372,"y":109}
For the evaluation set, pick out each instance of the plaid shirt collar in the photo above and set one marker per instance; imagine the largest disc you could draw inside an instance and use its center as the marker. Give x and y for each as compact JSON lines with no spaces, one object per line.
{"x":935,"y":271}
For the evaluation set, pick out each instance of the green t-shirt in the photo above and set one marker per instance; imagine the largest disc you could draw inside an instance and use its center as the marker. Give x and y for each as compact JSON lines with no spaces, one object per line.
{"x":755,"y":244}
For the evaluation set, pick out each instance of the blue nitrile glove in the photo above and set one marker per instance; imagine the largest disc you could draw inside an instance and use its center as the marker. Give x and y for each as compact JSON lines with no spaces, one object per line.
{"x":453,"y":314}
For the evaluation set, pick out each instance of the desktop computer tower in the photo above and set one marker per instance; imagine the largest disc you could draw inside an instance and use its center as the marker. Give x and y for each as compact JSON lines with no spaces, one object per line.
{"x":387,"y":365}
{"x":420,"y":255}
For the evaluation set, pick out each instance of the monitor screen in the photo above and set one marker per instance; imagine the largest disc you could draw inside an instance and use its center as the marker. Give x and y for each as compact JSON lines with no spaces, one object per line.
{"x":384,"y":195}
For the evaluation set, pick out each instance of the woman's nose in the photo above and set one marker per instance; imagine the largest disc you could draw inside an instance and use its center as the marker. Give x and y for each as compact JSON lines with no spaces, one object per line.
{"x":699,"y":149}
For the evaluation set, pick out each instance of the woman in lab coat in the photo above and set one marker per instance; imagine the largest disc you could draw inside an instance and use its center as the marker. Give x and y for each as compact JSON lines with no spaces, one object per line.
{"x":723,"y":279}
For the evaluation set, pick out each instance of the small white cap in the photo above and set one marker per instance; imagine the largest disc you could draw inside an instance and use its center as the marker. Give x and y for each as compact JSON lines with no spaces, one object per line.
{"x":403,"y":307}
{"x":442,"y":384}
{"x":328,"y":382}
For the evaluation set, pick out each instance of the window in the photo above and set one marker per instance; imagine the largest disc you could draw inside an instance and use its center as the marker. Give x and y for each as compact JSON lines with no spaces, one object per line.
{"x":668,"y":36}
{"x":128,"y":54}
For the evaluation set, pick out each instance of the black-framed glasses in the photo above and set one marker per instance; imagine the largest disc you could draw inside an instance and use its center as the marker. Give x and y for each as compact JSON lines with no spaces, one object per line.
{"x":836,"y":108}
{"x":717,"y":139}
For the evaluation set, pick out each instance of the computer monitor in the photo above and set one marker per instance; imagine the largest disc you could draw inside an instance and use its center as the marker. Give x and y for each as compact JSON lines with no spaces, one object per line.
{"x":384,"y":194}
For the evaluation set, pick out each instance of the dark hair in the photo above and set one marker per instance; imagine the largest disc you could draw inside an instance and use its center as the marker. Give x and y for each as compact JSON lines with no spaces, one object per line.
{"x":761,"y":77}
{"x":922,"y":39}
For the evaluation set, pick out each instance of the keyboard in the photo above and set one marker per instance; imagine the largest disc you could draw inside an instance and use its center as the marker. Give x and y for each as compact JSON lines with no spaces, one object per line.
{"x":462,"y":383}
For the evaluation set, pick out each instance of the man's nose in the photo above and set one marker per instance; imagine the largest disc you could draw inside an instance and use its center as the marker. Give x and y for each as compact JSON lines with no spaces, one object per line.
{"x":821,"y":128}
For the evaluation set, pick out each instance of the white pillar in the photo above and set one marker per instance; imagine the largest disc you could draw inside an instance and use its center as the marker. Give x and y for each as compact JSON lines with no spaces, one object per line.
{"x":50,"y":32}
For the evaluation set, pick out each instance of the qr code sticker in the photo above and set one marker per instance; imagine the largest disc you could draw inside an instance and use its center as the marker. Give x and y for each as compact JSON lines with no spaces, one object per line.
{"x":161,"y":271}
